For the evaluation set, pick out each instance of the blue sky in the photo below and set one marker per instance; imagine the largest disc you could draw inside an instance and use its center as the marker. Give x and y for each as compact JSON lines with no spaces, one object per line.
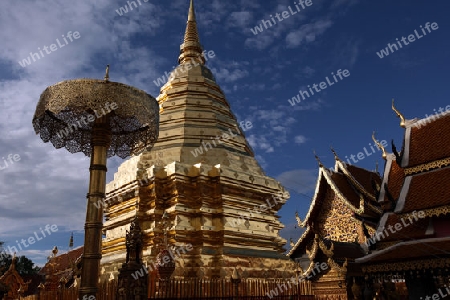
{"x":258,"y":73}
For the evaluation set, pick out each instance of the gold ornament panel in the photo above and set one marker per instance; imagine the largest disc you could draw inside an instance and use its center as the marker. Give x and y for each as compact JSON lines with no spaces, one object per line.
{"x":336,"y":220}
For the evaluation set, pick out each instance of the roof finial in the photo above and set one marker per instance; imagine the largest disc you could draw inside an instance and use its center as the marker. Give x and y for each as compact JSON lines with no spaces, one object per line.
{"x":335,"y":154}
{"x":402,"y":118}
{"x":71,"y":241}
{"x":318,"y":159}
{"x":107,"y":73}
{"x":297,"y":217}
{"x":379,"y":145}
{"x":191,"y":49}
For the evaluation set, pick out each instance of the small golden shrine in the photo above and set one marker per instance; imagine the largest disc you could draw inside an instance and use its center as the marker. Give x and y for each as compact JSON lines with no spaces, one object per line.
{"x":14,"y":283}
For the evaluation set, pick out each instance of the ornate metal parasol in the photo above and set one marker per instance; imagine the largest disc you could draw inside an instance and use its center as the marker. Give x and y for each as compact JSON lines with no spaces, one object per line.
{"x":101,"y":119}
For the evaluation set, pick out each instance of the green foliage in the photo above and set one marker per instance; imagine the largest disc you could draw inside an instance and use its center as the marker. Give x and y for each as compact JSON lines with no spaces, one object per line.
{"x":24,"y":265}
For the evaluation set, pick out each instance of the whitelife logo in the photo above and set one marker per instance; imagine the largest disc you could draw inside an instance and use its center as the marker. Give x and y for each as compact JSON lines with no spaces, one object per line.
{"x":166,"y":259}
{"x":90,"y":118}
{"x":379,"y":235}
{"x":284,"y":15}
{"x":323,"y":85}
{"x":31,"y":240}
{"x":11,"y":158}
{"x":411,"y":38}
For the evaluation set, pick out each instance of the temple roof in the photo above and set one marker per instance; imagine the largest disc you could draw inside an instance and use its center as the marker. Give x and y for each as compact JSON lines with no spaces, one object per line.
{"x":422,"y":173}
{"x":353,"y":185}
{"x":62,"y":262}
{"x":416,"y":181}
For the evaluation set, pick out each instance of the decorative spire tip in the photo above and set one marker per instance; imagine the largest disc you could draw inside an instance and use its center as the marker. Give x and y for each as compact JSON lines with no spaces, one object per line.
{"x":336,"y":157}
{"x":402,"y":118}
{"x":318,"y":159}
{"x":379,"y":146}
{"x":107,"y":73}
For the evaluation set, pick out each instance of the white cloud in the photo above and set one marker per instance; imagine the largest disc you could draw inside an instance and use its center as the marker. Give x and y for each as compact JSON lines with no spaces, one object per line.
{"x":260,"y":142}
{"x":301,"y":181}
{"x":49,"y":186}
{"x":307,"y":33}
{"x":227,"y":75}
{"x":240,"y":19}
{"x":300,"y":139}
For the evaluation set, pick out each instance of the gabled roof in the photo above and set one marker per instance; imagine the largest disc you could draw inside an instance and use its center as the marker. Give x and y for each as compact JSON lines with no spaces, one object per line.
{"x":345,"y":183}
{"x":344,"y":189}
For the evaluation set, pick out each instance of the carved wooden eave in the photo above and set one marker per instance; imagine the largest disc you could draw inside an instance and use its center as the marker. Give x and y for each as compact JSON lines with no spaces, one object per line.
{"x":329,"y":252}
{"x":300,"y":241}
{"x":312,"y":255}
{"x":431,"y":212}
{"x":440,"y":163}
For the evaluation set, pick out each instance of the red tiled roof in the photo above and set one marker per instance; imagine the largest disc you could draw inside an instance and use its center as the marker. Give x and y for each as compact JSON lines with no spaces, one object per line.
{"x":345,"y":187}
{"x":62,"y":262}
{"x":410,"y":229}
{"x":395,"y":181}
{"x":430,"y":142}
{"x":417,"y":249}
{"x":428,"y":190}
{"x":364,"y":177}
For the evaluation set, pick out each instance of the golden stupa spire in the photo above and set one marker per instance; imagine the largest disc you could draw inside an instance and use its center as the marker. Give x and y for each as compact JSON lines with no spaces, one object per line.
{"x":402,"y":118}
{"x":379,"y":146}
{"x":191,"y":16}
{"x":191,"y":49}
